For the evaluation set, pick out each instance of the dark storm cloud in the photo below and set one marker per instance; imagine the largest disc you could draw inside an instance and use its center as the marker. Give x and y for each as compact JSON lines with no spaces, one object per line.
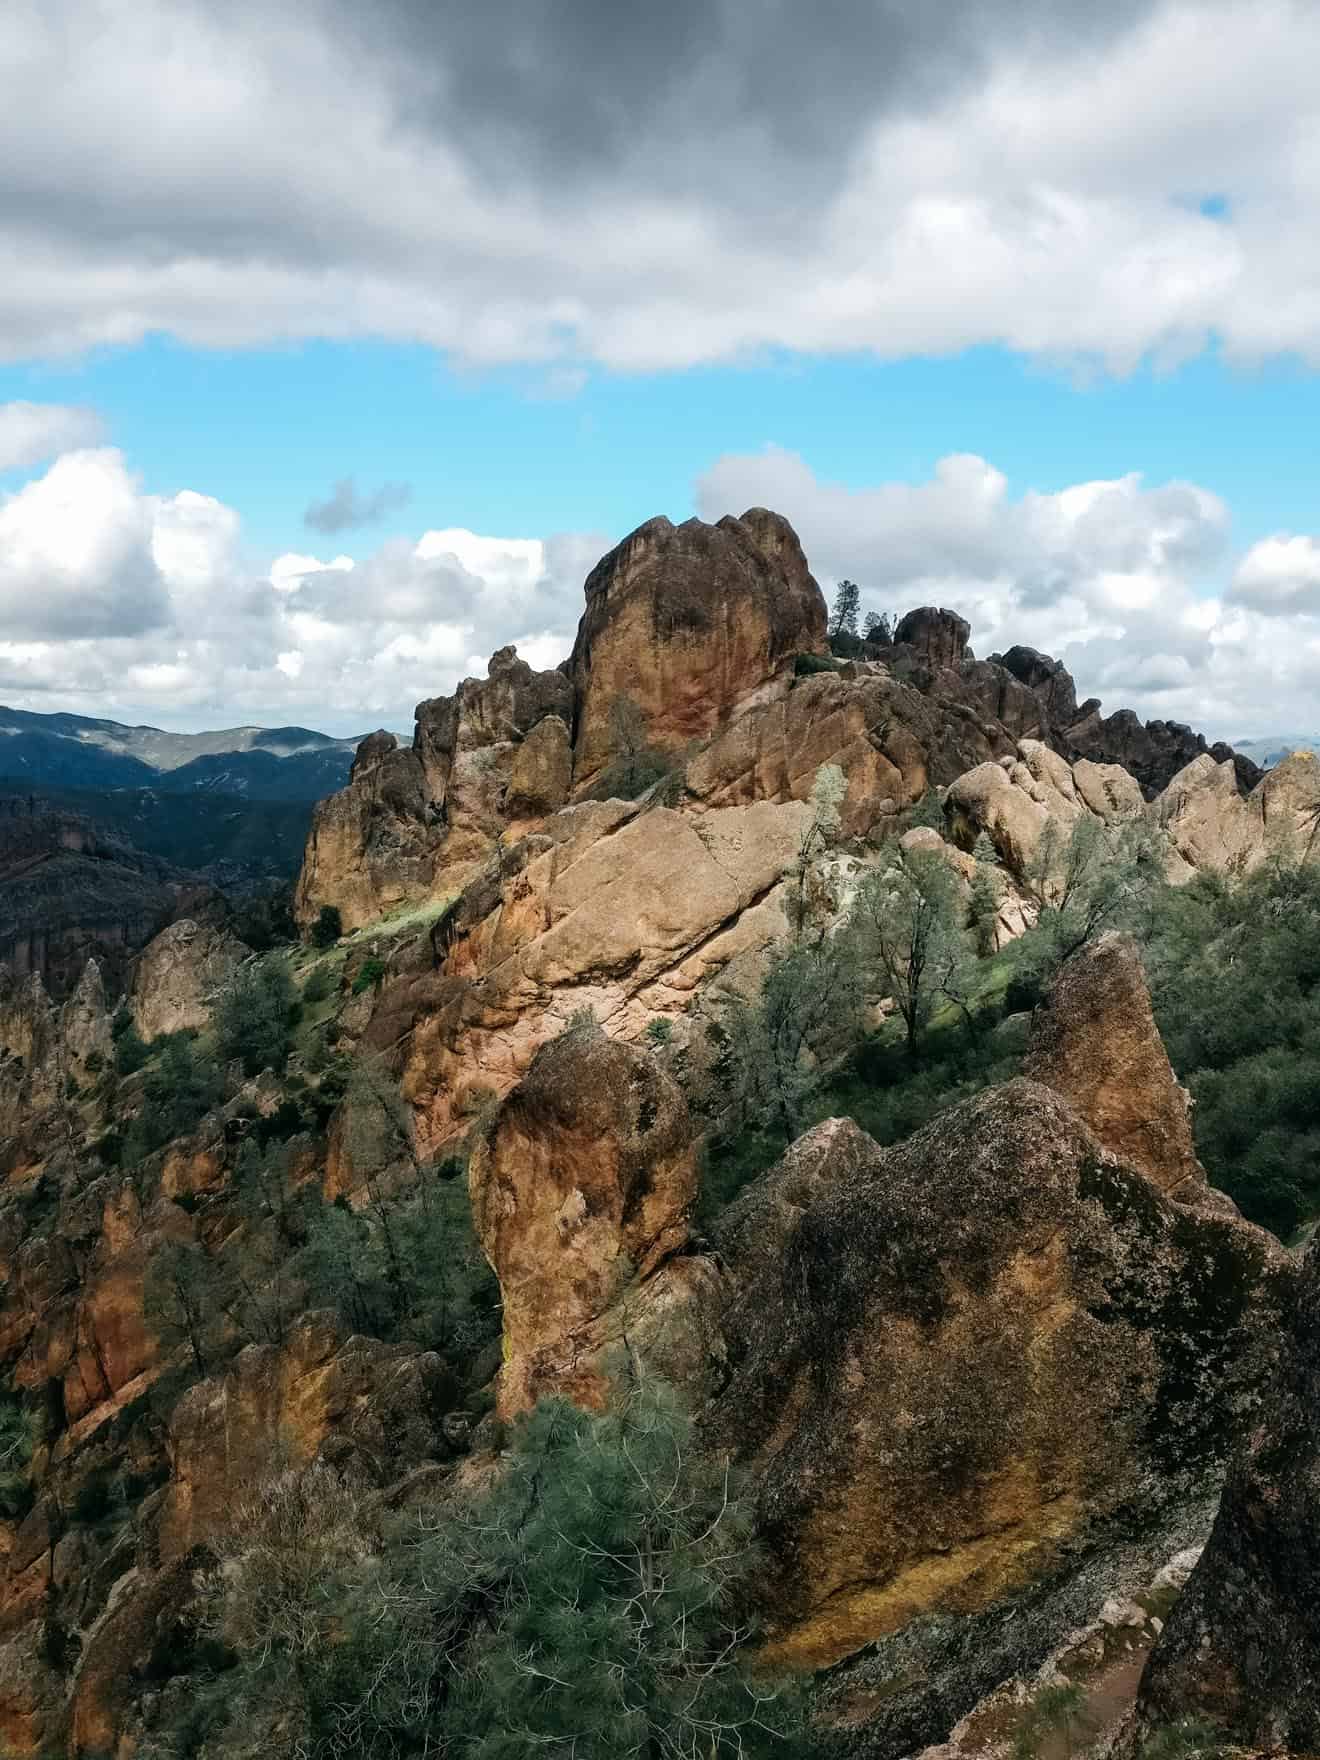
{"x":542,"y":91}
{"x":346,"y":507}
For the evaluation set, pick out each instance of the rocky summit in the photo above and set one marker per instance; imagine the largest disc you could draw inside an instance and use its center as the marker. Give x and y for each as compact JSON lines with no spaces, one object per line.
{"x":747,"y":1108}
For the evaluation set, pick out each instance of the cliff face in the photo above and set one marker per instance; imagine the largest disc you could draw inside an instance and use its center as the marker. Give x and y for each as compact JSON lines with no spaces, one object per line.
{"x":71,"y":891}
{"x":1242,"y":1646}
{"x":974,"y":1382}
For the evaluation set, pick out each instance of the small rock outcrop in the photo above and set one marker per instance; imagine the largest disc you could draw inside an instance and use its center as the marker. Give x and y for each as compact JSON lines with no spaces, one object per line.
{"x":1153,"y":751}
{"x":581,"y":1192}
{"x":1094,"y":1040}
{"x":692,"y":623}
{"x":1241,"y":1648}
{"x":178,"y":975}
{"x":1013,"y":801}
{"x":938,"y":637}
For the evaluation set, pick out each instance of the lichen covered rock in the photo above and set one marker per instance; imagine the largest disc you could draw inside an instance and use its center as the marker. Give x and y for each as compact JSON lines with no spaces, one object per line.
{"x":1242,"y":1645}
{"x":178,"y":976}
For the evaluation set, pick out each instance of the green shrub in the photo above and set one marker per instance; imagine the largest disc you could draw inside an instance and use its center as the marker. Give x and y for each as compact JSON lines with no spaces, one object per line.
{"x":807,"y":665}
{"x":320,"y":985}
{"x":252,"y":1019}
{"x":370,"y":974}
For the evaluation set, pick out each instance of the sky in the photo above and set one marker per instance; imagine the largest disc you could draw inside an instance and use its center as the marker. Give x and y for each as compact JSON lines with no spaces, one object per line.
{"x":338,"y":342}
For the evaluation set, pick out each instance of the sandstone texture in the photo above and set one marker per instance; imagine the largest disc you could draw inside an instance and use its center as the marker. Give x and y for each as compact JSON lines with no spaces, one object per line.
{"x":691,"y":623}
{"x":582,"y":1190}
{"x":1094,"y":1040}
{"x":178,"y":976}
{"x":1242,"y":1645}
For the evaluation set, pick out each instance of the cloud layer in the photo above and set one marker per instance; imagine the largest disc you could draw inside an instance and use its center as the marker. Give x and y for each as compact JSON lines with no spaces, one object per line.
{"x":117,"y":602}
{"x":593,"y":183}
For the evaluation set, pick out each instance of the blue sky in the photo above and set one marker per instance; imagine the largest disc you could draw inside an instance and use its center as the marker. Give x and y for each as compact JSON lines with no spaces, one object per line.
{"x":1011,"y":305}
{"x":503,"y":451}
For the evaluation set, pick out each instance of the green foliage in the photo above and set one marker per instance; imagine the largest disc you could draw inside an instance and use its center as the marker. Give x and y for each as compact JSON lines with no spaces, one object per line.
{"x":370,"y":974}
{"x":179,"y":1088}
{"x":660,"y":1030}
{"x":20,"y":1432}
{"x":130,"y":1050}
{"x":635,"y":765}
{"x":320,"y":985}
{"x":807,"y":665}
{"x":268,"y":921}
{"x":775,"y":1049}
{"x":879,"y":628}
{"x":928,"y":812}
{"x":580,"y":1606}
{"x":183,"y":1300}
{"x":908,"y":920}
{"x":845,"y":610}
{"x":1193,"y":1738}
{"x":252,"y":1019}
{"x":1235,"y":974}
{"x":328,"y":927}
{"x":1056,"y":1709}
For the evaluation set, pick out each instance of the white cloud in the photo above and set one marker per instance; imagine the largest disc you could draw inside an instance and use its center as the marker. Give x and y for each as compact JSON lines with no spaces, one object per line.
{"x":30,"y":433}
{"x":1280,"y":576}
{"x":116,"y":602}
{"x":1119,"y":579}
{"x":1040,"y":181}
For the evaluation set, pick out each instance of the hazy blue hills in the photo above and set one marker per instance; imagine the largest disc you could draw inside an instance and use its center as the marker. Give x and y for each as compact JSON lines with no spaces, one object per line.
{"x":248,"y":763}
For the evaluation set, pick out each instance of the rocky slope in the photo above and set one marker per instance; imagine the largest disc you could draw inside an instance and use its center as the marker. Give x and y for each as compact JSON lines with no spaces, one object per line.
{"x":70,"y":890}
{"x":976,"y":1383}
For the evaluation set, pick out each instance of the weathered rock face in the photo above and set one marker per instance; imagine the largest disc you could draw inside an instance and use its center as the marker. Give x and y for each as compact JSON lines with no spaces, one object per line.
{"x":1094,"y":1040}
{"x":373,"y":845}
{"x":71,"y":891}
{"x":1047,"y":678}
{"x":1242,"y":1645}
{"x":692,"y":623}
{"x":1212,"y":826}
{"x":416,"y":821}
{"x":1014,"y":801}
{"x":1154,"y":752}
{"x":47,"y":1053}
{"x":178,"y":975}
{"x":939,"y":638}
{"x":277,"y":1405}
{"x":581,"y":1194}
{"x":623,"y":911}
{"x":966,"y":1368}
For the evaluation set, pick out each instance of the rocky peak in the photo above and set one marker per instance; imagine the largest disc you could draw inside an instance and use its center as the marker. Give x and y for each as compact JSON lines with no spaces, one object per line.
{"x":939,"y":636}
{"x":1094,"y":1040}
{"x":1047,"y":677}
{"x":177,"y":976}
{"x":690,"y":622}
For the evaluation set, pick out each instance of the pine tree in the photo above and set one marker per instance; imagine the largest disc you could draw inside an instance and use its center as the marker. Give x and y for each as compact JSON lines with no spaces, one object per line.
{"x":847,"y":608}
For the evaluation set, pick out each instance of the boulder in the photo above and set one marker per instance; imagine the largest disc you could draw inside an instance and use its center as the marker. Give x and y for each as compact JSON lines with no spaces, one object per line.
{"x":1209,"y":824}
{"x":1094,"y":1040}
{"x":980,"y":1381}
{"x":1241,"y":1647}
{"x":582,"y":1188}
{"x":939,"y":637}
{"x":692,"y":623}
{"x":177,"y":977}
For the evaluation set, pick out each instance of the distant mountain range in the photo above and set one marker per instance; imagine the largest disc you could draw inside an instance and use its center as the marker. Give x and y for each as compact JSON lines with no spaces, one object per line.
{"x":251,"y":763}
{"x":1273,"y":748}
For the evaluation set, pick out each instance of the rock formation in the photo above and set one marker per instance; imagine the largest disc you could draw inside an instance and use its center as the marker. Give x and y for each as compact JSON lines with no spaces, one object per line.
{"x":1242,"y":1646}
{"x":418,"y":821}
{"x":48,"y":1053}
{"x":71,"y":890}
{"x":692,"y":623}
{"x":976,"y":1376}
{"x":178,"y":975}
{"x":1094,"y":1040}
{"x":582,"y":1190}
